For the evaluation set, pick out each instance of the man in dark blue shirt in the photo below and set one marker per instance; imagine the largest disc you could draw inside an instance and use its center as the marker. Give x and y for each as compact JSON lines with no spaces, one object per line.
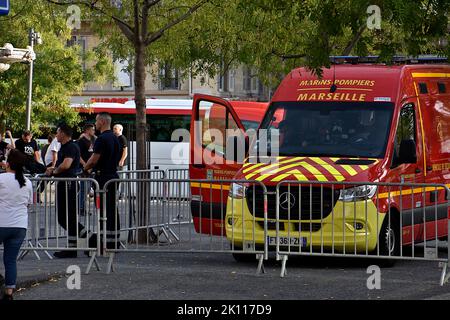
{"x":105,"y":161}
{"x":67,"y":166}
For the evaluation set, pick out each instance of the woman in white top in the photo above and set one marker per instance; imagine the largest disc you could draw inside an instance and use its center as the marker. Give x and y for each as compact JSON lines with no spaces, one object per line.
{"x":16,"y":193}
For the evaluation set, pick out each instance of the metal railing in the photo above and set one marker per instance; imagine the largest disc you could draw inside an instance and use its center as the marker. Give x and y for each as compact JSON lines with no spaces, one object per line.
{"x":384,"y":221}
{"x":63,"y":217}
{"x":212,"y":226}
{"x":366,"y":220}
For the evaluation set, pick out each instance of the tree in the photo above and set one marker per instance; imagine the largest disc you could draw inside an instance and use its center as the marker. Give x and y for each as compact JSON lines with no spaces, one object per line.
{"x":277,"y":36}
{"x":129,"y":28}
{"x":57,"y":70}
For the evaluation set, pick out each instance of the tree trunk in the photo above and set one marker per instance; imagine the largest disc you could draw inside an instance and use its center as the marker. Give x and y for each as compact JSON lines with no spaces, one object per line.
{"x":145,"y":235}
{"x":141,"y":120}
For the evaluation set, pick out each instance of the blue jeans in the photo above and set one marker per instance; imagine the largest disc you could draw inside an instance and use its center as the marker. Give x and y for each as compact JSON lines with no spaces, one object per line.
{"x":12,"y":239}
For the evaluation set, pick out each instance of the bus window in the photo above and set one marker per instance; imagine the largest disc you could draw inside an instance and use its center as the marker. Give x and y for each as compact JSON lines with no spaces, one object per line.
{"x":162,"y":126}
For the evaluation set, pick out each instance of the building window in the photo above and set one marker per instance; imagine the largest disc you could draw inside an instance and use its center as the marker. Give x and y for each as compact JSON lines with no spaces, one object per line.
{"x":251,"y":82}
{"x":169,"y":78}
{"x":231,"y":80}
{"x":226,"y":84}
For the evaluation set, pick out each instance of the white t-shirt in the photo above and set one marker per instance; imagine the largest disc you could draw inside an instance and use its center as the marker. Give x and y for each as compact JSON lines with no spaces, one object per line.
{"x":54,"y":146}
{"x":14,"y":201}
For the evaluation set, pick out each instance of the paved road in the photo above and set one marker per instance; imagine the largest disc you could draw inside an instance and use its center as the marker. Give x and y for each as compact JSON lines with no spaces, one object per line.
{"x":217,"y":276}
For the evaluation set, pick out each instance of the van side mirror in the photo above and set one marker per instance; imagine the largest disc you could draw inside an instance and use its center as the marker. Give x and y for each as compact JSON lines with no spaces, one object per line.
{"x":407,"y":152}
{"x":236,"y":148}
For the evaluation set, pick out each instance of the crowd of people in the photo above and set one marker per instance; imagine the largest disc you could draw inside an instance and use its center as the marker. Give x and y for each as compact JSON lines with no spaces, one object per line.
{"x":63,"y":157}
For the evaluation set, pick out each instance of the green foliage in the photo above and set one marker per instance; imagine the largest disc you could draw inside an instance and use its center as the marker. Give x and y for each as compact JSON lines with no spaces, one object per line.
{"x":58,"y":72}
{"x":276,"y":36}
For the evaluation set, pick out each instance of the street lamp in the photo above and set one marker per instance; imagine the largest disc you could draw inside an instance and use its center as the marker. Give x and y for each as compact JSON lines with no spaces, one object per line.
{"x":34,"y":38}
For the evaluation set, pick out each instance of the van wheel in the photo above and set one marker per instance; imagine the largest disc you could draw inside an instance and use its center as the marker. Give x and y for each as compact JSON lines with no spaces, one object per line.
{"x":389,"y":241}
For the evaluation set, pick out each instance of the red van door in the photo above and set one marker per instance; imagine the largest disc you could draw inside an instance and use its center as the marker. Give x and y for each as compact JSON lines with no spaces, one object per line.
{"x":408,"y":171}
{"x":213,"y":123}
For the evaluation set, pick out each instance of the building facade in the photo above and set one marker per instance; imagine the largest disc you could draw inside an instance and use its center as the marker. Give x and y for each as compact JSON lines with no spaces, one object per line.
{"x":165,"y":82}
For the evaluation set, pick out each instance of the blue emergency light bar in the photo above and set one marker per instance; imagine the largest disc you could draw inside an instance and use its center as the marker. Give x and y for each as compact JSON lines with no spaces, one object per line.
{"x":4,"y":7}
{"x":425,"y":59}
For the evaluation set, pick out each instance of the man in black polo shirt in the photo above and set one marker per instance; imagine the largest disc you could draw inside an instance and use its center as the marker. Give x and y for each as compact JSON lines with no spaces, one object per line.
{"x":105,"y":161}
{"x":67,"y":165}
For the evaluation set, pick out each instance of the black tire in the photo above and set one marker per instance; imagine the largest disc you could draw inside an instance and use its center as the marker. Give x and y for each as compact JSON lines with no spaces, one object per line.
{"x":389,"y":241}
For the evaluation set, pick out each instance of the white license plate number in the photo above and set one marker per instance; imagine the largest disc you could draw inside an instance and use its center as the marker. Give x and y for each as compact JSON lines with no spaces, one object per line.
{"x":285,"y":241}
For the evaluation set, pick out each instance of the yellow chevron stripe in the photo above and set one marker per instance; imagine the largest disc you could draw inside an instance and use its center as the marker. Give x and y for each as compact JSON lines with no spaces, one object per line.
{"x":364,"y":167}
{"x":251,"y":175}
{"x":296,"y":173}
{"x":277,"y":165}
{"x":316,"y":173}
{"x":263,"y":176}
{"x":252,"y":166}
{"x":300,"y":177}
{"x":430,"y":75}
{"x":280,"y":177}
{"x":207,"y":185}
{"x":303,"y":178}
{"x":349,"y":169}
{"x":336,"y":174}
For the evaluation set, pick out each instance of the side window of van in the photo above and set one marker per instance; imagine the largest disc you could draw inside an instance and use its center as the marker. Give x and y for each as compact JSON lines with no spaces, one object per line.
{"x":405,"y":137}
{"x":216,"y":121}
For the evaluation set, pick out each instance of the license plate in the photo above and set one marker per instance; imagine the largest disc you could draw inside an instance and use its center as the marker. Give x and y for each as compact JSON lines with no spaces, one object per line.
{"x":285,"y":241}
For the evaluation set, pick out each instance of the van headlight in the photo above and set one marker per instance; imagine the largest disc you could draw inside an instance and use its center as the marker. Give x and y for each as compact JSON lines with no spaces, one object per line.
{"x":359,"y":193}
{"x":237,"y":191}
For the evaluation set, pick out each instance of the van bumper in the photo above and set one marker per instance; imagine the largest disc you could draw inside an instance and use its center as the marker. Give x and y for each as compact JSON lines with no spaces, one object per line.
{"x":354,"y":226}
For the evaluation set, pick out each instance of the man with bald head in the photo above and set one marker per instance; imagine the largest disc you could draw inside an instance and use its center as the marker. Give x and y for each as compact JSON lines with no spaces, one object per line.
{"x":118,"y":129}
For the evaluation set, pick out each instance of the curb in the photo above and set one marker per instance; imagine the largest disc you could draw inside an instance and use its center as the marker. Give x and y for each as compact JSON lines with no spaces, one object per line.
{"x":30,"y":281}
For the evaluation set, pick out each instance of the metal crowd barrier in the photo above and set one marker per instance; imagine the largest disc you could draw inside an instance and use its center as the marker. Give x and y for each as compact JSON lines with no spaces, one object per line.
{"x":384,"y":221}
{"x":178,"y":192}
{"x":151,"y":229}
{"x":388,"y":221}
{"x":49,"y":221}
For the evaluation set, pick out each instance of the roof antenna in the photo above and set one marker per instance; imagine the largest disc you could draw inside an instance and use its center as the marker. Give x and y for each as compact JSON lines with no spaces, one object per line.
{"x":333,"y":87}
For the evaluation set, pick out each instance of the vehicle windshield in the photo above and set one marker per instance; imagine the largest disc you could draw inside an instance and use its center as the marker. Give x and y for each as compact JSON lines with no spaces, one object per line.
{"x":330,"y":129}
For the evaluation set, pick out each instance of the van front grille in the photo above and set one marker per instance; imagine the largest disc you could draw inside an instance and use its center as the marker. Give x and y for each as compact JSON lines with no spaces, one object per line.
{"x":296,"y":202}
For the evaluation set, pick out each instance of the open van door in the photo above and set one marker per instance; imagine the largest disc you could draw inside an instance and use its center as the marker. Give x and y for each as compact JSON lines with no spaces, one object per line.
{"x":213,"y":123}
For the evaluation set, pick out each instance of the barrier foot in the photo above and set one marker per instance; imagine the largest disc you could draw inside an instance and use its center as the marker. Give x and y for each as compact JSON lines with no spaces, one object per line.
{"x":173,"y":234}
{"x":45,"y":251}
{"x":445,"y":275}
{"x":110,"y":266}
{"x":163,"y":231}
{"x":22,"y":255}
{"x":283,"y":266}
{"x":91,"y":262}
{"x":261,"y":268}
{"x":25,"y":252}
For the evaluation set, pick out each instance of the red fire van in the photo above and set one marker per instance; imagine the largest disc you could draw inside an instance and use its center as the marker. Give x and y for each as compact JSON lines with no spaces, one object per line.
{"x":357,"y":123}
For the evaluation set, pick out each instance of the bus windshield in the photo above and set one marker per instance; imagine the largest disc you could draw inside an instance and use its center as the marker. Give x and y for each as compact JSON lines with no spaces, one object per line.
{"x":330,"y":129}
